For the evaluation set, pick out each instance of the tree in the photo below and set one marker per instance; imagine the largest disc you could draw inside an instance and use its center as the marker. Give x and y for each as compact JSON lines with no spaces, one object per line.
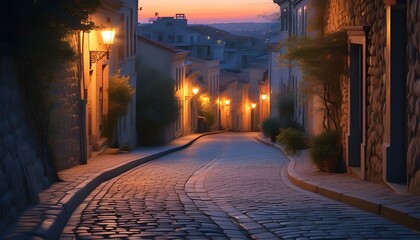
{"x":33,"y":37}
{"x":119,"y":92}
{"x":323,"y":62}
{"x":156,"y":105}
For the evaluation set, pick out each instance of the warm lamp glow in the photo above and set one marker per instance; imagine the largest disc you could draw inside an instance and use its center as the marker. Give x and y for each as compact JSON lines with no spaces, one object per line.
{"x":227,"y":102}
{"x":107,"y":40}
{"x":195,"y":91}
{"x":108,"y":36}
{"x":264,"y":97}
{"x":253,"y":105}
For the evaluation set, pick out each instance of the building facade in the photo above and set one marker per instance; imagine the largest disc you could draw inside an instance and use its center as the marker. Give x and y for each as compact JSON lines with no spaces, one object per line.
{"x":379,"y":117}
{"x":285,"y":77}
{"x":208,"y":83}
{"x":103,"y":58}
{"x":171,"y":62}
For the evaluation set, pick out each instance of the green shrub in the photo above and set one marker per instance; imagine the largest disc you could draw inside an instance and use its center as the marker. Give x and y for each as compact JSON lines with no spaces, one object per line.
{"x":120,"y":92}
{"x":325,"y":149}
{"x":270,"y":125}
{"x":292,"y":139}
{"x":156,"y":105}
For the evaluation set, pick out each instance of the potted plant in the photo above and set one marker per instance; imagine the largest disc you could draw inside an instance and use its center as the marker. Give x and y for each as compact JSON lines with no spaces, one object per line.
{"x":271,"y":127}
{"x":325,"y":151}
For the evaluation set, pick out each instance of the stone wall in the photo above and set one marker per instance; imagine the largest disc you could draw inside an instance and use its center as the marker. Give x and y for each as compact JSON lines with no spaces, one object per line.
{"x":23,"y":171}
{"x":413,"y":90}
{"x":64,"y":129}
{"x":25,"y":161}
{"x":371,"y":13}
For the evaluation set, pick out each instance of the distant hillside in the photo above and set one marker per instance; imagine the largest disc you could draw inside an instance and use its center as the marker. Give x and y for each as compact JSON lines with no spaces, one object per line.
{"x":258,"y":30}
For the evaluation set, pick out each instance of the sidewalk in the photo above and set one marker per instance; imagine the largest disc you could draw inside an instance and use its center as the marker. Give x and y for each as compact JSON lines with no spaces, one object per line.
{"x":402,"y":208}
{"x":47,"y":219}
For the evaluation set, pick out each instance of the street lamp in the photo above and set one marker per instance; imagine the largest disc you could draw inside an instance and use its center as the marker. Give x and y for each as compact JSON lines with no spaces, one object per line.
{"x":253,"y":106}
{"x":264,"y":96}
{"x":107,"y":40}
{"x":195,"y":90}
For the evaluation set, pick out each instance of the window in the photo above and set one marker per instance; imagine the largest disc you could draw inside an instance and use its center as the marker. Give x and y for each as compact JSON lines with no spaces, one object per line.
{"x":305,"y":19}
{"x":299,"y":23}
{"x":127,"y":37}
{"x":178,"y":81}
{"x":284,"y":19}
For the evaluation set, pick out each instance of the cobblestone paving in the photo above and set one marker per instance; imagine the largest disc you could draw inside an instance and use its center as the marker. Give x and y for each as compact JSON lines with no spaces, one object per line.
{"x":225,"y":186}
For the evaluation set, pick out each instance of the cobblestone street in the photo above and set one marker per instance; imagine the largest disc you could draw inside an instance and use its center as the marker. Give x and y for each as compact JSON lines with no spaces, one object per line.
{"x":225,"y":186}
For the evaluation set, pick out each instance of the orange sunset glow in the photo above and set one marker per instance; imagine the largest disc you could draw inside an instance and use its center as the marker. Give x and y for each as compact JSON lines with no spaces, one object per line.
{"x":204,"y":11}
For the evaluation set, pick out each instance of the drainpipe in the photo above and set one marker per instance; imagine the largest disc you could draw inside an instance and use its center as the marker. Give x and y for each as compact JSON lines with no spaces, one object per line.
{"x":83,"y":101}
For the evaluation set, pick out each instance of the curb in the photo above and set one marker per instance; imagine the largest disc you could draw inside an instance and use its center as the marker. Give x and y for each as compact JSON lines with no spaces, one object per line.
{"x":56,"y":216}
{"x":388,"y":211}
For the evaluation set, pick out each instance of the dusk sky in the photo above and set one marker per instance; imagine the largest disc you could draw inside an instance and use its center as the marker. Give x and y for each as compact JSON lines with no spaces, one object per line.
{"x":209,"y":11}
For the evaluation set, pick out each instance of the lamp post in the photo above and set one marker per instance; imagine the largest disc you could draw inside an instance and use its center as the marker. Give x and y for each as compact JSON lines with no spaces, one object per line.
{"x":263,"y":105}
{"x":264,"y":96}
{"x":253,"y":106}
{"x":194,"y":109}
{"x":227,"y":102}
{"x":195,"y":90}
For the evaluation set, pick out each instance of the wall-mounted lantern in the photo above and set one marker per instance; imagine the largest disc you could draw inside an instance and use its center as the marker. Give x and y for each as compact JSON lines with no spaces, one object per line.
{"x":107,"y":40}
{"x":195,"y":90}
{"x":227,"y":102}
{"x":264,"y":96}
{"x":253,"y":105}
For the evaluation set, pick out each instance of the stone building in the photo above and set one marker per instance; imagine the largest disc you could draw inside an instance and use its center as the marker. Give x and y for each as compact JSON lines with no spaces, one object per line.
{"x":380,"y":108}
{"x":380,"y":117}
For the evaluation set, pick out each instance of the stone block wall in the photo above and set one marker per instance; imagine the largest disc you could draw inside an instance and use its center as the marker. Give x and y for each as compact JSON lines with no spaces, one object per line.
{"x":22,"y":162}
{"x":413,"y":98}
{"x":371,"y":13}
{"x":25,"y":168}
{"x":64,"y":129}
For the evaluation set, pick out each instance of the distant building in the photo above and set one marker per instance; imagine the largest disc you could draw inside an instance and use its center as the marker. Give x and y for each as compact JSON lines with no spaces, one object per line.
{"x":171,"y":61}
{"x":245,"y":108}
{"x":204,"y":42}
{"x":208,"y":82}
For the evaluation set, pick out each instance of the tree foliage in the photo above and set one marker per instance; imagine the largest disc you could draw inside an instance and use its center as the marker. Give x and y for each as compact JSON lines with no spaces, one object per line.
{"x":322,"y":59}
{"x":35,"y":29}
{"x":32,"y":36}
{"x":119,"y":93}
{"x":156,"y":105}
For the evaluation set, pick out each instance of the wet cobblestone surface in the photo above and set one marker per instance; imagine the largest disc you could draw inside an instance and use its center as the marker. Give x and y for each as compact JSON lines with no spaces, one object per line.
{"x":226,"y":186}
